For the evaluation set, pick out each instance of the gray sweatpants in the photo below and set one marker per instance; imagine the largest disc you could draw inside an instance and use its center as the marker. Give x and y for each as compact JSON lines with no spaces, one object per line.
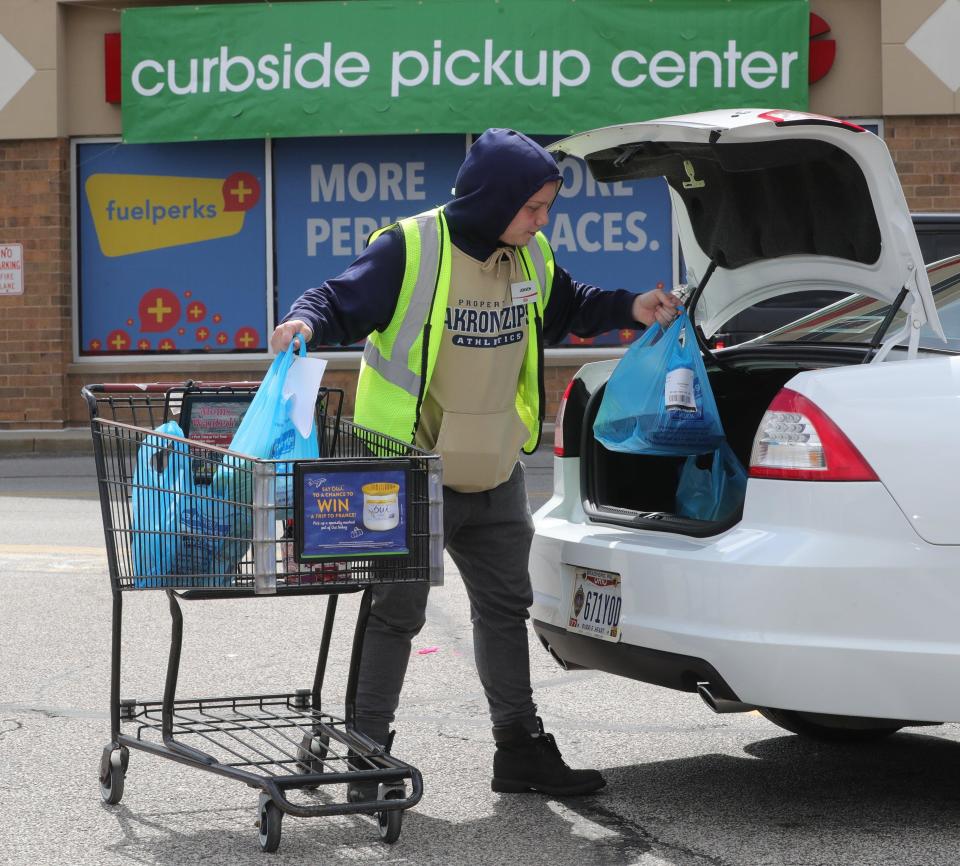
{"x":488,"y":536}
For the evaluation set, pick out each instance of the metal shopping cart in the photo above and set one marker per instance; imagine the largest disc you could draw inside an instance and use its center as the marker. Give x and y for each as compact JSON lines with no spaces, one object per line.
{"x":225,"y":525}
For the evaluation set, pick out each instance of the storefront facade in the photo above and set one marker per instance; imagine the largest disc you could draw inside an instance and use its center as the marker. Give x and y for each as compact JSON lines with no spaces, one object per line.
{"x":161,"y":241}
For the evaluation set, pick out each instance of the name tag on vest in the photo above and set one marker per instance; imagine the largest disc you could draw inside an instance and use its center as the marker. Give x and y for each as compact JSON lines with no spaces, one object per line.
{"x":523,"y":292}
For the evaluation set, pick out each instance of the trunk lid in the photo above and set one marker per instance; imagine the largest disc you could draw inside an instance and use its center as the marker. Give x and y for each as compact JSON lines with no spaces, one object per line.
{"x":780,"y":201}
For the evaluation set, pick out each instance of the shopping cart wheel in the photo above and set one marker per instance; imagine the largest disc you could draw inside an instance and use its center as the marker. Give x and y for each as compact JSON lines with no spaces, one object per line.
{"x":390,"y":823}
{"x":270,"y":820}
{"x":113,"y":769}
{"x":311,"y":753}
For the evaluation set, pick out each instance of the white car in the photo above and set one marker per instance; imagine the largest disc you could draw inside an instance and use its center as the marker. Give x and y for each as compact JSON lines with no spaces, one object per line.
{"x":831,"y":600}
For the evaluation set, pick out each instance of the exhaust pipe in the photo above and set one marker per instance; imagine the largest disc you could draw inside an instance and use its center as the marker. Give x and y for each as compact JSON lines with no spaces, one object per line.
{"x":721,"y":705}
{"x":553,"y":653}
{"x":557,"y":658}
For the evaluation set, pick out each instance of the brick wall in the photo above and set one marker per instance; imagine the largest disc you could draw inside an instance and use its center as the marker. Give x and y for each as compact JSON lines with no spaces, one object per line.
{"x":555,"y":381}
{"x":35,"y":329}
{"x":926,"y":152}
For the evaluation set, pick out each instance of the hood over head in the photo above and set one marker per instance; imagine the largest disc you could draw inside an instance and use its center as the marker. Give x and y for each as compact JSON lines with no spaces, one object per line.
{"x":502,"y":170}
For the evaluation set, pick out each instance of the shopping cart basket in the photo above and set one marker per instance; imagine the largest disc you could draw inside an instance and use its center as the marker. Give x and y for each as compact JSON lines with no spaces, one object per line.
{"x":234,"y":526}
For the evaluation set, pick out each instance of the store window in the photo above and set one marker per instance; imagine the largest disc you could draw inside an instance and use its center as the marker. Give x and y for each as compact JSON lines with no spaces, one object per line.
{"x":197,"y":248}
{"x":171,"y":248}
{"x":331,"y":193}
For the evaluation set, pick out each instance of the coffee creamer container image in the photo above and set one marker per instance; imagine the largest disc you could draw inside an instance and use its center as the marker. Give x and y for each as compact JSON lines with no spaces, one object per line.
{"x":381,"y":506}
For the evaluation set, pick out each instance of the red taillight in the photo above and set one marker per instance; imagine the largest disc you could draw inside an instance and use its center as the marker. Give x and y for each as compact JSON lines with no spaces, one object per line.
{"x":797,"y":440}
{"x":558,"y":427}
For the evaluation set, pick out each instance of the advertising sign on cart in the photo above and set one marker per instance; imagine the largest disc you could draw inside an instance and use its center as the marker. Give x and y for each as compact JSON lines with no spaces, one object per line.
{"x":349,"y":511}
{"x":213,"y":419}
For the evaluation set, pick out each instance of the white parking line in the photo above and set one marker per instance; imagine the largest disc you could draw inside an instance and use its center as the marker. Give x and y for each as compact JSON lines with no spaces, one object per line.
{"x":48,"y":494}
{"x":47,"y":549}
{"x":579,"y":825}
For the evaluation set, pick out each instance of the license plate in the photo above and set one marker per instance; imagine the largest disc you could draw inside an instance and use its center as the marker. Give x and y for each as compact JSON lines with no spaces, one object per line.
{"x":595,"y":604}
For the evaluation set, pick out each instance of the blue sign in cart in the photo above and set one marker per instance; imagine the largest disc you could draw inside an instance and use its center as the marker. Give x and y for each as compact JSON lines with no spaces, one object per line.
{"x":350,"y":511}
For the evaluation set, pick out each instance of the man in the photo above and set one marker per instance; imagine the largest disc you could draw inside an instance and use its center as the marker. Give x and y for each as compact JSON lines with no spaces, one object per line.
{"x":456,"y":305}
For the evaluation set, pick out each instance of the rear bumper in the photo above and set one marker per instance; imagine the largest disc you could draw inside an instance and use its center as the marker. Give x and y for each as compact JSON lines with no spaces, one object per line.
{"x":670,"y":670}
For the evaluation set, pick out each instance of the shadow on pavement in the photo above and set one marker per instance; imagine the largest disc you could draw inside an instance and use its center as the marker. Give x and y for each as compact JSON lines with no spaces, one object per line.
{"x":784,"y":801}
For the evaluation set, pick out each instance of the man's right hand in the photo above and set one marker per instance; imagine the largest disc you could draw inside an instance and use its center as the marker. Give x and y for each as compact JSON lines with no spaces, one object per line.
{"x":284,"y":333}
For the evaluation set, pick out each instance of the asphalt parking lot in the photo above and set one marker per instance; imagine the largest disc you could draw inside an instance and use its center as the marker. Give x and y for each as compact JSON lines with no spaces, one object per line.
{"x":685,"y":786}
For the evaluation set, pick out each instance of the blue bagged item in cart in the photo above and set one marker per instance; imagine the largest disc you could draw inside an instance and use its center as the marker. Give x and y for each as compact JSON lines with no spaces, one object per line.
{"x":714,"y":491}
{"x":658,"y":399}
{"x":267,"y":430}
{"x":162,"y":466}
{"x":182,"y":526}
{"x":214,"y":523}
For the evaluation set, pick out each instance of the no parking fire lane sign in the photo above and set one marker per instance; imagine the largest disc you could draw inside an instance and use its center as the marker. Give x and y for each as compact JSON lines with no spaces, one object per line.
{"x":11,"y":269}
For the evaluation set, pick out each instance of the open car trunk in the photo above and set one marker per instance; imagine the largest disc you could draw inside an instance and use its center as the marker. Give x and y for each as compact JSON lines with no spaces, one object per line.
{"x":767,"y":203}
{"x":641,"y":490}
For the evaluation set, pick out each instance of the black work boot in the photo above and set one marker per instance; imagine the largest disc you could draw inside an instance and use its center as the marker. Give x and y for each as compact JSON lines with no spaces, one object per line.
{"x":532,"y":762}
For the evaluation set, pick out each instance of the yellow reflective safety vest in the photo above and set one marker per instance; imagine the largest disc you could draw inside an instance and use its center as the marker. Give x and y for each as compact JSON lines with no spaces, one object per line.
{"x":398,"y":362}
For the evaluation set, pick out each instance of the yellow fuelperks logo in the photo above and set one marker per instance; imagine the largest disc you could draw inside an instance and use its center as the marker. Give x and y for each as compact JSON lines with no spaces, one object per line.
{"x":135,"y":213}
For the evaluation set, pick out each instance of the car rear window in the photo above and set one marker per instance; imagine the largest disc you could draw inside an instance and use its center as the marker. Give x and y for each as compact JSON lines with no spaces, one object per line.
{"x":857,"y":318}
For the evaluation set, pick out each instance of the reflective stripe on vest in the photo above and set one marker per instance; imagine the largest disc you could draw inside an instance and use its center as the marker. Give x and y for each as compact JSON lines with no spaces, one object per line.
{"x":540,"y":269}
{"x":396,"y":370}
{"x":530,"y":397}
{"x":391,"y":385}
{"x":402,"y":377}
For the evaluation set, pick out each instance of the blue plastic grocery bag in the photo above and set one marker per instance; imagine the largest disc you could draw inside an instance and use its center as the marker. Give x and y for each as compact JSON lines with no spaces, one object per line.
{"x":181,"y":525}
{"x":159,"y":476}
{"x":715,"y":492}
{"x":658,"y":399}
{"x":214,"y":521}
{"x":266,"y":430}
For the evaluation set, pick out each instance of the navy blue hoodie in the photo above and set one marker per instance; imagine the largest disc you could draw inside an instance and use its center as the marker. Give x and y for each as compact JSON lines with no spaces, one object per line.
{"x":501,"y":172}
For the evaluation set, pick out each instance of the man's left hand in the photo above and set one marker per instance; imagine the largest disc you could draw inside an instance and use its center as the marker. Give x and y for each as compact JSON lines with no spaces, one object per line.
{"x":655,"y":306}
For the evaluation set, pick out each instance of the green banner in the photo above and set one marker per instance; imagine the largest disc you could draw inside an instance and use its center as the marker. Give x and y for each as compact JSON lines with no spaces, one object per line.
{"x":262,"y":70}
